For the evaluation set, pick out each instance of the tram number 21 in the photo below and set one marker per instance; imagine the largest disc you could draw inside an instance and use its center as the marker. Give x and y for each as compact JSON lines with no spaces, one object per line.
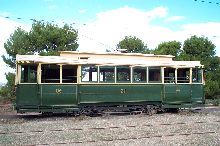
{"x":123,"y":91}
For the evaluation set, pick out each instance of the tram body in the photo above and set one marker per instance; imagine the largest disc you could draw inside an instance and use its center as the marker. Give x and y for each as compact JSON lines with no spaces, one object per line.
{"x":76,"y":81}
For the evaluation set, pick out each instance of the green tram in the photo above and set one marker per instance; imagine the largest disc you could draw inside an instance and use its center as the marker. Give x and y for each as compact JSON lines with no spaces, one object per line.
{"x":90,"y":82}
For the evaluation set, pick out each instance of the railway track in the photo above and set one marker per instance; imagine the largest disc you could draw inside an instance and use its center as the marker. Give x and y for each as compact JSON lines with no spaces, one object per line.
{"x":148,"y":135}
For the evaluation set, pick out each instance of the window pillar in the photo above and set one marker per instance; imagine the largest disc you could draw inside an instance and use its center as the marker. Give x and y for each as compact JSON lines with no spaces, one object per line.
{"x":61,"y":73}
{"x":190,"y":76}
{"x":39,"y":73}
{"x":176,"y":75}
{"x":19,"y":74}
{"x":98,"y":74}
{"x":115,"y":74}
{"x":147,"y":70}
{"x":79,"y":74}
{"x":162,"y":74}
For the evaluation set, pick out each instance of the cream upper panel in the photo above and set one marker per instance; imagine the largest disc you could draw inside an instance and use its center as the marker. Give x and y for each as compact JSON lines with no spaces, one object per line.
{"x":118,"y":56}
{"x":109,"y":59}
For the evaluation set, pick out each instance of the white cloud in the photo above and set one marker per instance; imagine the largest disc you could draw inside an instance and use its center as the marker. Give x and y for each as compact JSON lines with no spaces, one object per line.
{"x":130,"y":15}
{"x":174,"y":18}
{"x":209,"y":29}
{"x":206,"y":29}
{"x":109,"y":27}
{"x":158,"y":12}
{"x":7,"y":27}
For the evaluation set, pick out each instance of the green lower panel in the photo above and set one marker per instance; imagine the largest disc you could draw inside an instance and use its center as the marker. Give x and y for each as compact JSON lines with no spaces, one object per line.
{"x":177,"y":93}
{"x":58,"y":94}
{"x":63,"y":97}
{"x":119,"y":93}
{"x":198,"y":93}
{"x":27,"y":94}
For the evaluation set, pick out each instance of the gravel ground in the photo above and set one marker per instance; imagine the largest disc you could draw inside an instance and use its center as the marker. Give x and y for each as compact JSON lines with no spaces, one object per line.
{"x":197,"y":127}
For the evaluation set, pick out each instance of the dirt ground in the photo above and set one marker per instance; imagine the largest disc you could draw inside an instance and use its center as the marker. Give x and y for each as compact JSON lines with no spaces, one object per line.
{"x":188,"y":127}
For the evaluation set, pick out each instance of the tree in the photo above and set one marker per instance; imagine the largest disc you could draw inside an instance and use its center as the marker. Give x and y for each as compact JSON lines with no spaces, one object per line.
{"x":169,"y":48}
{"x":200,"y":48}
{"x":133,"y":45}
{"x":7,"y":91}
{"x":42,"y":39}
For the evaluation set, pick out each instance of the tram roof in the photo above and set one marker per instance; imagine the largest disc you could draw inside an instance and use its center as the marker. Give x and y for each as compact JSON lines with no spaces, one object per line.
{"x":108,"y":59}
{"x":116,"y":53}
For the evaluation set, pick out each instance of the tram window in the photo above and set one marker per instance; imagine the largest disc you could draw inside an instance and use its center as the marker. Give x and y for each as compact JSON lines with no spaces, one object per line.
{"x":28,"y":73}
{"x":107,"y":74}
{"x":183,"y":75}
{"x":89,"y":74}
{"x":69,"y":74}
{"x":169,"y":75}
{"x":139,"y":74}
{"x":154,"y":74}
{"x":123,"y":74}
{"x":50,"y":73}
{"x":196,"y":75}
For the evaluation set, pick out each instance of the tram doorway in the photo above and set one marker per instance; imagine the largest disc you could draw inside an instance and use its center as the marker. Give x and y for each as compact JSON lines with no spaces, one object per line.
{"x":58,"y":85}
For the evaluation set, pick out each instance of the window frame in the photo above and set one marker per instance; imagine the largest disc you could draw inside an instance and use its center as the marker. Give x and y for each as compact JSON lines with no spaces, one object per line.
{"x":106,"y":67}
{"x":129,"y":75}
{"x":189,"y":76}
{"x":19,"y":73}
{"x":160,"y":75}
{"x":59,"y":80}
{"x":201,"y":75}
{"x":166,"y":79}
{"x":133,"y":74}
{"x":97,"y":72}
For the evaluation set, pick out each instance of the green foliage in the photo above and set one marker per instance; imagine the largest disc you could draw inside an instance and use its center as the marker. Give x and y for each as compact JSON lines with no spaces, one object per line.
{"x":202,"y":49}
{"x":199,"y":47}
{"x":214,"y":102}
{"x":133,"y":45}
{"x":169,"y":48}
{"x":8,"y":91}
{"x":212,"y":88}
{"x":42,"y":39}
{"x":16,"y":44}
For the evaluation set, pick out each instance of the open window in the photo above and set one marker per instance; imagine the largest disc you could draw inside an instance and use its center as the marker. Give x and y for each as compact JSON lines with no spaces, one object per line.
{"x":29,"y":73}
{"x":139,"y":74}
{"x":89,"y":73}
{"x":154,"y":74}
{"x":69,"y":74}
{"x":107,"y":74}
{"x":123,"y":74}
{"x":169,"y":75}
{"x":50,"y":73}
{"x":197,"y":75}
{"x":183,"y":75}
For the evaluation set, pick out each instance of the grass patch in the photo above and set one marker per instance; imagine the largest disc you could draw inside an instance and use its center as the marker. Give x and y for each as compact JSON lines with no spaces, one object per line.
{"x":213,"y":102}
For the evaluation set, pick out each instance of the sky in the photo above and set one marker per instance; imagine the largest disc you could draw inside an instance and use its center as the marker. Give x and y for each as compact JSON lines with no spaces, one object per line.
{"x":101,"y":24}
